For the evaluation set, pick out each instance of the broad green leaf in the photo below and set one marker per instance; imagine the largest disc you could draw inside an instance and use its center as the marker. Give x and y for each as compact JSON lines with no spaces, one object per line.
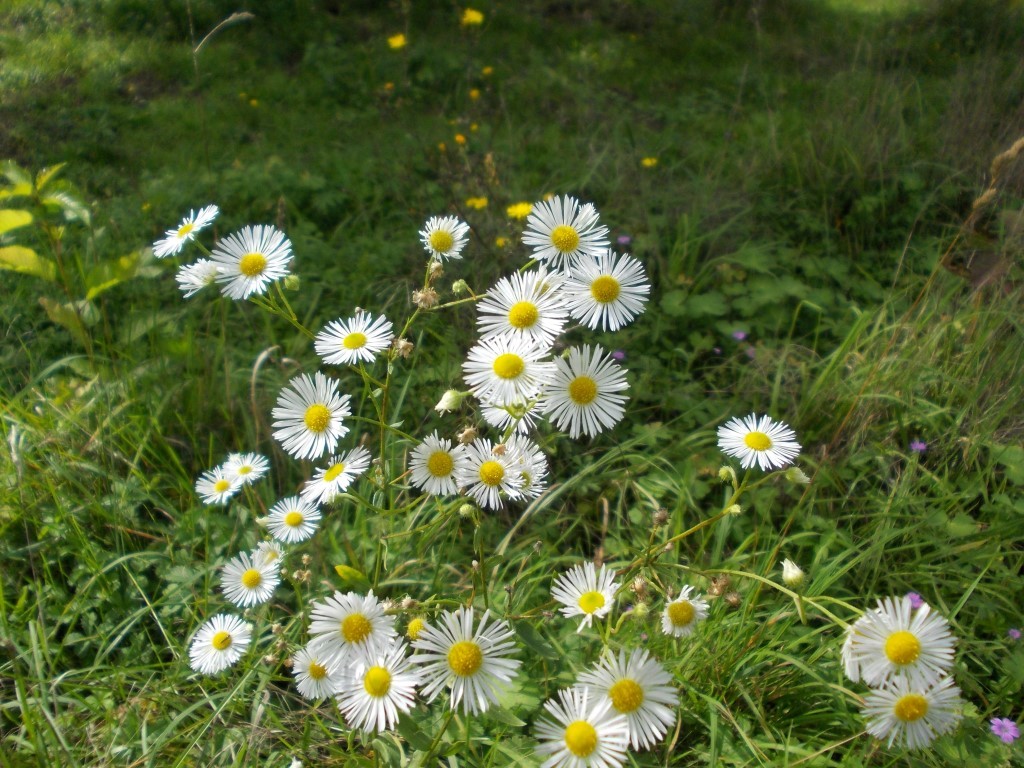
{"x":533,"y":641}
{"x":410,"y":730}
{"x":17,"y":175}
{"x":18,"y":258}
{"x":107,"y":274}
{"x":65,"y":315}
{"x":47,"y":174}
{"x":350,"y":575}
{"x":12,"y":219}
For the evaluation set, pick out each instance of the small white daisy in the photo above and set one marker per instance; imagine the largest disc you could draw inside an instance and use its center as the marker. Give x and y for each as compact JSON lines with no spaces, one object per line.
{"x":434,"y":463}
{"x":639,"y":688}
{"x":523,"y":415}
{"x":192,"y":278}
{"x":912,"y":717}
{"x":377,"y":688}
{"x":246,"y":582}
{"x":585,"y":591}
{"x":215,"y":487}
{"x":506,"y":369}
{"x":267,"y":552}
{"x":347,"y":626}
{"x":444,"y":237}
{"x":523,"y":304}
{"x":530,"y":462}
{"x":293,"y":520}
{"x":250,"y":259}
{"x":472,"y":663}
{"x":346,"y":342}
{"x":583,"y":395}
{"x":316,"y":676}
{"x":894,"y":641}
{"x":331,"y":481}
{"x":606,"y":293}
{"x":758,"y":440}
{"x":682,"y":615}
{"x":174,"y":239}
{"x":219,"y":643}
{"x":245,"y":467}
{"x":308,"y":416}
{"x":560,"y":230}
{"x":485,"y":475}
{"x":586,"y":732}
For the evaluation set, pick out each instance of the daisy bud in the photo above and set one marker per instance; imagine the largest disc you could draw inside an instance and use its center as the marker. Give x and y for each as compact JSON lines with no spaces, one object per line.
{"x":718,"y":585}
{"x":639,"y":586}
{"x":538,"y":546}
{"x":306,"y":559}
{"x":292,"y":282}
{"x":276,"y":628}
{"x":425,"y":299}
{"x":460,"y":287}
{"x":796,"y":475}
{"x":467,"y":436}
{"x":475,"y":565}
{"x":403,"y":347}
{"x":792,"y":574}
{"x":436,"y":270}
{"x":466,"y":510}
{"x":641,"y":610}
{"x":450,"y":400}
{"x":734,"y":599}
{"x":408,"y":603}
{"x":735,"y":509}
{"x":727,"y":475}
{"x":660,"y":517}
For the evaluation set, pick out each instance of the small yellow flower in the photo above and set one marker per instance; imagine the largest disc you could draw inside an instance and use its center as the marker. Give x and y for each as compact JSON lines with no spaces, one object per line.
{"x":649,"y":162}
{"x":519,"y":210}
{"x":396,"y":41}
{"x":472,"y":18}
{"x":389,"y":86}
{"x":501,"y":242}
{"x":474,"y":93}
{"x":441,"y":147}
{"x":476,"y":202}
{"x":487,"y":71}
{"x":254,"y":102}
{"x":146,"y":206}
{"x":473,"y":127}
{"x":460,"y":139}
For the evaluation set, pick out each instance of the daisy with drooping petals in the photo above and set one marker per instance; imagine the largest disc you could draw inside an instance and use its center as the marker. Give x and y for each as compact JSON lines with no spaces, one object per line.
{"x":174,"y":239}
{"x":682,"y":615}
{"x":293,"y":520}
{"x":586,"y":732}
{"x":346,"y":342}
{"x":523,"y":304}
{"x":911,"y":716}
{"x":316,"y":676}
{"x":895,"y":641}
{"x":347,"y":626}
{"x":250,"y":259}
{"x":472,"y":663}
{"x":308,"y":416}
{"x":215,"y":487}
{"x":506,"y":369}
{"x":639,"y":688}
{"x":530,"y":462}
{"x":219,"y":643}
{"x":583,"y":394}
{"x":485,"y":475}
{"x":245,"y":467}
{"x":377,"y":688}
{"x":607,"y":292}
{"x":246,"y":582}
{"x":585,"y":591}
{"x":334,"y":479}
{"x":560,"y":230}
{"x":434,"y":465}
{"x":192,"y":278}
{"x":444,"y":237}
{"x":522,"y":415}
{"x":267,"y":552}
{"x":758,"y":440}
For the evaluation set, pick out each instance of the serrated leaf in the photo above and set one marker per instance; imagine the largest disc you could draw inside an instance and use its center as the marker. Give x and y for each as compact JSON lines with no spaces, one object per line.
{"x":18,"y":258}
{"x":11,"y":218}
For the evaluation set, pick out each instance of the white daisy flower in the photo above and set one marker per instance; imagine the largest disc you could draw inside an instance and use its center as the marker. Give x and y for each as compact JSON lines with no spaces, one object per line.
{"x":434,"y":463}
{"x":192,"y":278}
{"x":639,"y":688}
{"x":215,"y":487}
{"x":267,"y":552}
{"x":910,"y":716}
{"x":174,"y":239}
{"x":246,"y":582}
{"x":585,"y":591}
{"x":484,"y":475}
{"x":582,"y":397}
{"x":444,"y":237}
{"x":316,"y":676}
{"x":346,"y":626}
{"x":472,"y":663}
{"x":894,"y":641}
{"x":376,"y":689}
{"x":758,"y":440}
{"x":245,"y":467}
{"x":560,"y":230}
{"x":331,"y":481}
{"x":586,"y":732}
{"x":530,"y":461}
{"x":608,"y":292}
{"x":293,"y":520}
{"x":506,"y":369}
{"x":523,"y":415}
{"x":308,"y":416}
{"x":682,"y":615}
{"x":219,"y":643}
{"x":346,"y":342}
{"x":250,"y":259}
{"x":524,"y":304}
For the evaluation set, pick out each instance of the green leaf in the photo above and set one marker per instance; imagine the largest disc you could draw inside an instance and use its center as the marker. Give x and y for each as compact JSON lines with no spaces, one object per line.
{"x":351,"y":576}
{"x":410,"y":730}
{"x":12,"y":219}
{"x":961,"y":525}
{"x":18,"y":258}
{"x":502,"y":715}
{"x":107,"y":274}
{"x":44,"y":176}
{"x":702,"y":304}
{"x":66,"y":315}
{"x":1011,"y":458}
{"x":533,"y":641}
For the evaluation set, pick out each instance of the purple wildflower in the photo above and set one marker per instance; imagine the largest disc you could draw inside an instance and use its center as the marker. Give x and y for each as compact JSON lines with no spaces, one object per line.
{"x":619,"y":354}
{"x":916,"y":601}
{"x":918,"y":446}
{"x":1005,"y":729}
{"x":624,"y":239}
{"x":1013,"y":633}
{"x":739,"y":335}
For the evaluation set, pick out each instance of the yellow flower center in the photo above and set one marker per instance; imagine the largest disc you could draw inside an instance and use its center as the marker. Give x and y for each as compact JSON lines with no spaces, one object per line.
{"x":591,"y":601}
{"x":377,"y":681}
{"x":335,"y":469}
{"x":221,"y":485}
{"x":185,"y":229}
{"x":902,"y":647}
{"x":605,"y":289}
{"x":317,"y":417}
{"x":221,"y":640}
{"x":491,"y":473}
{"x":758,"y":441}
{"x":523,"y":315}
{"x":465,"y":658}
{"x":356,"y":628}
{"x":440,"y":464}
{"x":441,"y":241}
{"x":244,"y":470}
{"x":354,"y":340}
{"x":911,"y":707}
{"x":681,"y":613}
{"x":415,"y":627}
{"x":508,"y":365}
{"x":564,"y":238}
{"x":252,"y":264}
{"x":582,"y":390}
{"x":581,"y":738}
{"x":626,"y":695}
{"x":251,"y":579}
{"x":294,"y":519}
{"x":317,"y":671}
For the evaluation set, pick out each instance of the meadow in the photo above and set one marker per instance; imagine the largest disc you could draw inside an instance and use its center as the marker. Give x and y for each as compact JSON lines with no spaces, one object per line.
{"x":826,"y":200}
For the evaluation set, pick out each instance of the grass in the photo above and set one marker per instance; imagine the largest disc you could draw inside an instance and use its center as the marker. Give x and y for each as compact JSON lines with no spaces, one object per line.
{"x":815,"y":162}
